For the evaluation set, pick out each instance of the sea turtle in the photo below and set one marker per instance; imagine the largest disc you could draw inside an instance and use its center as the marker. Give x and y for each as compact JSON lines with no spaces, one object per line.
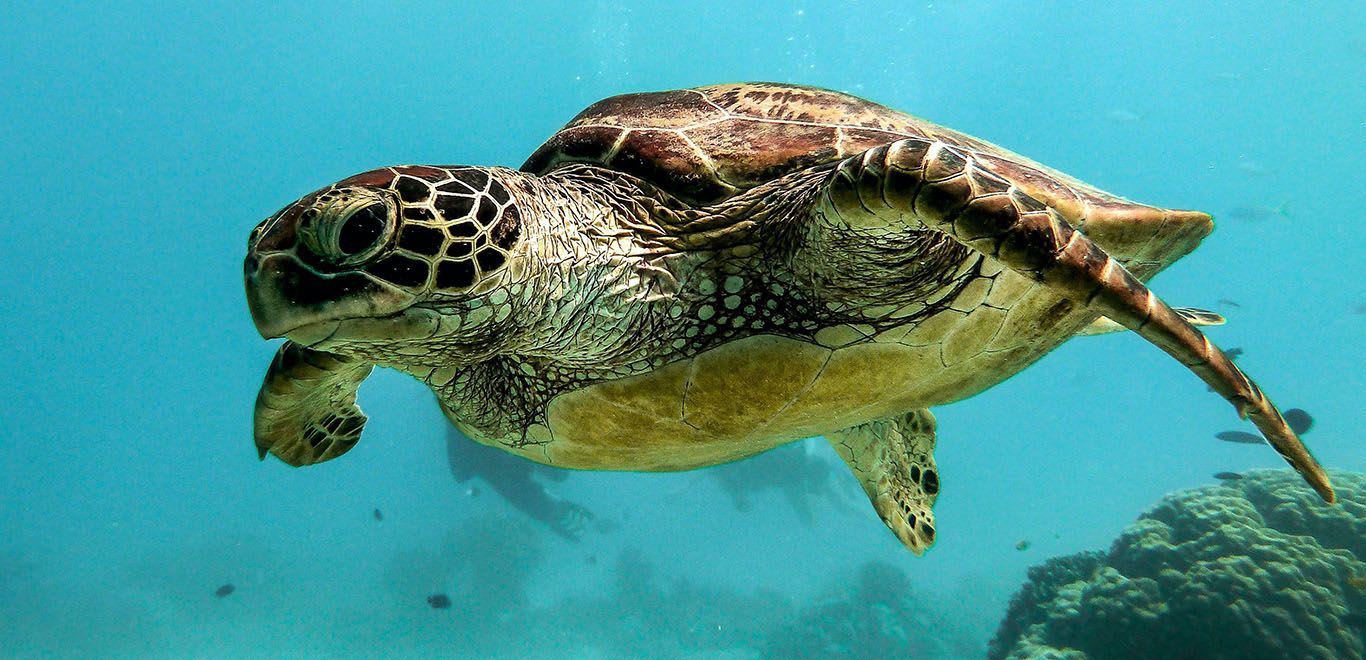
{"x":684,"y":278}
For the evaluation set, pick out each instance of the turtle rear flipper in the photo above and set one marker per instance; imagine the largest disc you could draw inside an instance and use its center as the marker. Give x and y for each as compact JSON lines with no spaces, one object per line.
{"x":306,"y":411}
{"x":894,"y":460}
{"x":947,"y":190}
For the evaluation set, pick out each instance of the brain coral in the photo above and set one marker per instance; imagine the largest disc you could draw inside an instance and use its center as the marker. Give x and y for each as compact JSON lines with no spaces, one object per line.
{"x":1253,"y":568}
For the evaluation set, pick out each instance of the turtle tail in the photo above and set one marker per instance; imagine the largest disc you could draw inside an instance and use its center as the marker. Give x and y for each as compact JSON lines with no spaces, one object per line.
{"x":948,"y":191}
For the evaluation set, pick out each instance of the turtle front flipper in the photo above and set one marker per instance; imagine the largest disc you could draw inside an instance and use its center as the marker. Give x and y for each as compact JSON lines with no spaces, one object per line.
{"x":894,"y":460}
{"x":306,"y":411}
{"x":945,"y":189}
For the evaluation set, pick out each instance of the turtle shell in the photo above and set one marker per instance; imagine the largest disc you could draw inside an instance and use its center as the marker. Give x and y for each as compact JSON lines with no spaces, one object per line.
{"x":706,"y":144}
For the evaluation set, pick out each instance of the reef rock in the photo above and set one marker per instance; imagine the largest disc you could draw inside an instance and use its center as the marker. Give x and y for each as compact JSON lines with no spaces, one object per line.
{"x":1250,"y":569}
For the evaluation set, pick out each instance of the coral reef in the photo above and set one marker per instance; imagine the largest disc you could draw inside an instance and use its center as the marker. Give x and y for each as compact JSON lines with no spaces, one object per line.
{"x":1254,"y":568}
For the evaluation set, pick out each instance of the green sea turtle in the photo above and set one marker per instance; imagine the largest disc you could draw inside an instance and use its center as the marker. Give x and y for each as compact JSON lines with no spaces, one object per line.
{"x":684,"y":278}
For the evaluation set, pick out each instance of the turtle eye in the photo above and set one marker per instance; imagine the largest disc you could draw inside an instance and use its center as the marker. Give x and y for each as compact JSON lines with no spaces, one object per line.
{"x":362,"y":229}
{"x":347,"y":227}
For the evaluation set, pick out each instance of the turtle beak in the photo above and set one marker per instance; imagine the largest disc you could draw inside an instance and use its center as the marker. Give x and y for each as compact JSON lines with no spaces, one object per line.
{"x":288,"y":299}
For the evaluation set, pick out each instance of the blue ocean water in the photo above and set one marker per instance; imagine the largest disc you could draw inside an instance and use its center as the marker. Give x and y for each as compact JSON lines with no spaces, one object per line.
{"x":143,"y":141}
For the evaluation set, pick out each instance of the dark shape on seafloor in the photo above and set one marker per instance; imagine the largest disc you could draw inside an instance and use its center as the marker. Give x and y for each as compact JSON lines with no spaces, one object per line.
{"x":1023,"y":545}
{"x":1240,"y":437}
{"x":439,"y":601}
{"x":796,"y":471}
{"x":224,"y":590}
{"x":379,"y":517}
{"x":518,"y":481}
{"x":1299,"y":420}
{"x":1227,"y":476}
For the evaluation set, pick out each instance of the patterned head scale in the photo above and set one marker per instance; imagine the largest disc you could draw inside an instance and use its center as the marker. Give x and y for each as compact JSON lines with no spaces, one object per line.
{"x":376,"y":243}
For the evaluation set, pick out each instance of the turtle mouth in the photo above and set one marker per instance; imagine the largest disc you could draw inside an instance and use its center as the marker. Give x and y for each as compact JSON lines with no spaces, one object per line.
{"x":287,"y":299}
{"x":412,"y":324}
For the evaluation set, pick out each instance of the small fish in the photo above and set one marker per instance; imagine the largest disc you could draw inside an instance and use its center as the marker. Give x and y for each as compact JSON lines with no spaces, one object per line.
{"x":1257,"y":213}
{"x":379,"y":516}
{"x":1124,"y":116}
{"x":1230,"y":303}
{"x":225,"y":590}
{"x":1240,"y":437}
{"x":1300,"y":422}
{"x":439,"y":601}
{"x":1227,"y":476}
{"x":1023,"y":545}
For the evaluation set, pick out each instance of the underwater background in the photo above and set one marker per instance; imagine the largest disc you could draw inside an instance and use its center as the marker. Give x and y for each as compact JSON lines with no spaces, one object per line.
{"x":143,"y":141}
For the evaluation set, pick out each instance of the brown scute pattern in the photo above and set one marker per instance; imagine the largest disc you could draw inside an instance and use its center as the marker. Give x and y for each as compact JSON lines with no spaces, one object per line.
{"x":742,"y":135}
{"x":412,"y":190}
{"x":424,"y":240}
{"x":476,"y":180}
{"x":401,"y":270}
{"x":380,"y":178}
{"x":747,"y":153}
{"x":455,"y":207}
{"x":578,"y":144}
{"x":427,"y":173}
{"x":456,"y":273}
{"x":418,"y":213}
{"x":672,"y":109}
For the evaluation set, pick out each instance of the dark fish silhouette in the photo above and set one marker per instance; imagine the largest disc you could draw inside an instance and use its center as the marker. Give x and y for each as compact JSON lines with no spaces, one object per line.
{"x":379,"y":517}
{"x":439,"y":601}
{"x":1299,"y":420}
{"x":225,"y":590}
{"x":1023,"y":545}
{"x":1227,"y":476}
{"x":1240,"y":437}
{"x":1230,"y":303}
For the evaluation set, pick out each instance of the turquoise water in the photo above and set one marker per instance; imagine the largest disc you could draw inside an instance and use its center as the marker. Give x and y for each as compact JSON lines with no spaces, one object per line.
{"x":142,"y":142}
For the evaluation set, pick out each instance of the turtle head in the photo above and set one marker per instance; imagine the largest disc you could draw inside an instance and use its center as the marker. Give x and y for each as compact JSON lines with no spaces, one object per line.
{"x":399,"y":254}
